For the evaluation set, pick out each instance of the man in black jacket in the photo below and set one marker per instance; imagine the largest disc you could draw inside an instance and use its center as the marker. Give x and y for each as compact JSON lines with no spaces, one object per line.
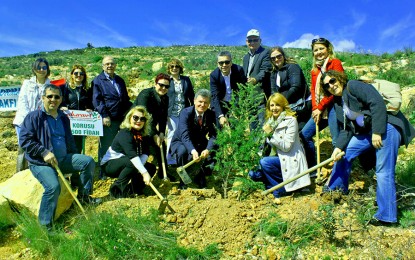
{"x":224,"y":85}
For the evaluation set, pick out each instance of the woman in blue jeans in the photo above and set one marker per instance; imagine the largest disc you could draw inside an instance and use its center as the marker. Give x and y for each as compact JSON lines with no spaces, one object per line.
{"x":322,"y":113}
{"x":287,"y":158}
{"x":365,"y":123}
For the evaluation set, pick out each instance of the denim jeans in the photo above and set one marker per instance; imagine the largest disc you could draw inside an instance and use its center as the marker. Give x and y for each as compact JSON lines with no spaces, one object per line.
{"x":386,"y":158}
{"x":271,"y":168}
{"x":309,"y":130}
{"x":48,"y":177}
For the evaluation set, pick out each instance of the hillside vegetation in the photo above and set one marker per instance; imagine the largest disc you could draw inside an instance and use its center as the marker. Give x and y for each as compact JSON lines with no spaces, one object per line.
{"x":206,"y":224}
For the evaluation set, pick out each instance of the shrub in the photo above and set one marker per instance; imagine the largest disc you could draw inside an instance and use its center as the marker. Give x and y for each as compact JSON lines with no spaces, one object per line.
{"x":238,"y":144}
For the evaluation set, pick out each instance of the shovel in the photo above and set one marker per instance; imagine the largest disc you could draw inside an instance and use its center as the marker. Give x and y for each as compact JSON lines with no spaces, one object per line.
{"x":163,"y":164}
{"x":183,"y":174}
{"x":319,"y":179}
{"x":68,"y":186}
{"x":276,"y":187}
{"x":164,"y":203}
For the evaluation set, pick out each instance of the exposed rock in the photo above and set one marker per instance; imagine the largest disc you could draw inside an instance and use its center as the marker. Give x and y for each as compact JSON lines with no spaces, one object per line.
{"x":26,"y":191}
{"x":157,"y":66}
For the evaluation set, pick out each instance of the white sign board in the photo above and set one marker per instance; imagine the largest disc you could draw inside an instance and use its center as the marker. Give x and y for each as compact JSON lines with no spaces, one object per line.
{"x":8,"y":98}
{"x":85,"y":123}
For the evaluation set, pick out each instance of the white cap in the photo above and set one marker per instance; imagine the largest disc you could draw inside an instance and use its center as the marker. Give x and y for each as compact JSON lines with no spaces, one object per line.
{"x":253,"y":32}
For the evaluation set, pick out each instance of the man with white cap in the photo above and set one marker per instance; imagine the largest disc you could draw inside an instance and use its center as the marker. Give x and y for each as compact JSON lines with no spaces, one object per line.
{"x":257,"y":66}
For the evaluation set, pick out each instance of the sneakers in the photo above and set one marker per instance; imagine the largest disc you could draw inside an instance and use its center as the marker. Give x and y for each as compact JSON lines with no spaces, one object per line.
{"x":88,"y":200}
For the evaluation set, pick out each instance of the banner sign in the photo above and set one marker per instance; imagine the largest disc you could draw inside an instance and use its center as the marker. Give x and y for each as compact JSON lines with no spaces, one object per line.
{"x":85,"y":123}
{"x":8,"y":98}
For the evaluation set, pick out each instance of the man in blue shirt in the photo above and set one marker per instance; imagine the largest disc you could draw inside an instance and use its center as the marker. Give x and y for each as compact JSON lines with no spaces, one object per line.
{"x":47,"y":140}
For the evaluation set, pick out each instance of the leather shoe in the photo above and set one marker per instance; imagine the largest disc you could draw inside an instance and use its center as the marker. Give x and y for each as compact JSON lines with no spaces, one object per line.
{"x":377,"y":222}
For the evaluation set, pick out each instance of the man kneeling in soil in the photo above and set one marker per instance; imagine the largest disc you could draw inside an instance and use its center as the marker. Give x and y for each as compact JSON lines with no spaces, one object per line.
{"x":47,"y":140}
{"x":195,"y":136}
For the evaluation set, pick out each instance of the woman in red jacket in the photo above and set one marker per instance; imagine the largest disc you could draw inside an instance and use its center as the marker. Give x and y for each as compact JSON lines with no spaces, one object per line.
{"x":323,"y":113}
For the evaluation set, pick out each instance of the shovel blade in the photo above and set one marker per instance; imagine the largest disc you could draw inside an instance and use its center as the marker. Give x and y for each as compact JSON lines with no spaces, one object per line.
{"x":184,"y":176}
{"x":162,"y":207}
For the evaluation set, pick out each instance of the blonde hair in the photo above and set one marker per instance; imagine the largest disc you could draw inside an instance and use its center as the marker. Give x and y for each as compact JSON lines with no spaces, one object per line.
{"x":126,"y":122}
{"x":280,"y":100}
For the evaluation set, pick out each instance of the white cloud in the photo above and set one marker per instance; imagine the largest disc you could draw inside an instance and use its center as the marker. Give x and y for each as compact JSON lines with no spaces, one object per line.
{"x":344,"y":45}
{"x":114,"y":34}
{"x":305,"y":42}
{"x":397,"y":29}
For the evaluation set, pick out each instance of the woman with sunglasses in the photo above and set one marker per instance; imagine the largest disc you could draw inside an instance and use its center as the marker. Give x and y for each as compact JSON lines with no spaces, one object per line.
{"x":365,"y":124}
{"x":322,"y":113}
{"x":126,"y":159}
{"x":77,"y":95}
{"x":181,"y":95}
{"x":30,"y":99}
{"x":288,"y":79}
{"x":156,"y":101}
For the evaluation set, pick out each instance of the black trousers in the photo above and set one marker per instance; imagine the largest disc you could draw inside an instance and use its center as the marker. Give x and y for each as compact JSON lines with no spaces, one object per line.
{"x":124,"y":170}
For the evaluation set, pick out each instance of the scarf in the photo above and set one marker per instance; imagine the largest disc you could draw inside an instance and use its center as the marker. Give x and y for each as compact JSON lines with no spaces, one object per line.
{"x":138,"y":136}
{"x":274,"y":124}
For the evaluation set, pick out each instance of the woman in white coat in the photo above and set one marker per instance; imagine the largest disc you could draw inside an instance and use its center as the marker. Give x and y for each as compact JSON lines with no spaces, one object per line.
{"x":30,"y":99}
{"x":287,"y":158}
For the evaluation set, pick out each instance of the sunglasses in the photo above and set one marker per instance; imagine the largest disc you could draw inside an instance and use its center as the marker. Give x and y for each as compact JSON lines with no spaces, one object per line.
{"x":227,"y":62}
{"x":163,"y":85}
{"x":42,"y":67}
{"x":139,"y":118}
{"x":277,"y":57}
{"x":323,"y":40}
{"x":252,"y":40}
{"x":56,"y":97}
{"x":332,"y":81}
{"x":174,"y":67}
{"x":79,"y":73}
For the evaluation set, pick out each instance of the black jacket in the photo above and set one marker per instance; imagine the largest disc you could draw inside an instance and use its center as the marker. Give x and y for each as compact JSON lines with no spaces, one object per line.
{"x":157,"y":106}
{"x":218,"y":86}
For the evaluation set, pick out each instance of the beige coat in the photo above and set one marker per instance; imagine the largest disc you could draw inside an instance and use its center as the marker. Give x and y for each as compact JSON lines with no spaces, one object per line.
{"x":291,"y":153}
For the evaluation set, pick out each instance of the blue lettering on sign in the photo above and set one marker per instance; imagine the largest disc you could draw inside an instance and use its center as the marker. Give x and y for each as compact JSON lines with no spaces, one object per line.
{"x":7,"y":103}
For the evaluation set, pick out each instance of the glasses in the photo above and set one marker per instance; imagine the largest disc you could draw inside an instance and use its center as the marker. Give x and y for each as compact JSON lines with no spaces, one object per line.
{"x":163,"y":85}
{"x":56,"y":97}
{"x":42,"y":67}
{"x":76,"y":73}
{"x":323,"y":40}
{"x":109,"y":64}
{"x":252,"y":40}
{"x":277,"y":57}
{"x":332,"y":81}
{"x":227,"y":62}
{"x":139,"y":118}
{"x":174,"y":67}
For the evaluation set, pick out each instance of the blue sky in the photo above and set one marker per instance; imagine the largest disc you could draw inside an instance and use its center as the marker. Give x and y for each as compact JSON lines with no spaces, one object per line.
{"x":375,"y":26}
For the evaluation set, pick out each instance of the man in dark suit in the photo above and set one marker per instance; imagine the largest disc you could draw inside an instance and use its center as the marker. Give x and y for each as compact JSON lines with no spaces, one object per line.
{"x":257,"y":67}
{"x":111,"y":100}
{"x":224,"y":84}
{"x":195,"y":136}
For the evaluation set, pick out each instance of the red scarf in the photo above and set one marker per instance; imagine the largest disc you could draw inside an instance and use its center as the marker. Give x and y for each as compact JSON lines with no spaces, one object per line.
{"x":137,"y":135}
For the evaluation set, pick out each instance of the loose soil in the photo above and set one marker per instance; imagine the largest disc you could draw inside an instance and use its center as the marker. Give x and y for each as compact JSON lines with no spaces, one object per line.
{"x":203,"y":217}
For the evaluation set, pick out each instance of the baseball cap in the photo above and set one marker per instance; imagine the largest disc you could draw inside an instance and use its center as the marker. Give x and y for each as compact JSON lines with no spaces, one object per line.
{"x":253,"y":32}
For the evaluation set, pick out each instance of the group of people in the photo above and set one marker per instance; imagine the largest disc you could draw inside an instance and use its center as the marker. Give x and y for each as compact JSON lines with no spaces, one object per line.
{"x":294,"y":112}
